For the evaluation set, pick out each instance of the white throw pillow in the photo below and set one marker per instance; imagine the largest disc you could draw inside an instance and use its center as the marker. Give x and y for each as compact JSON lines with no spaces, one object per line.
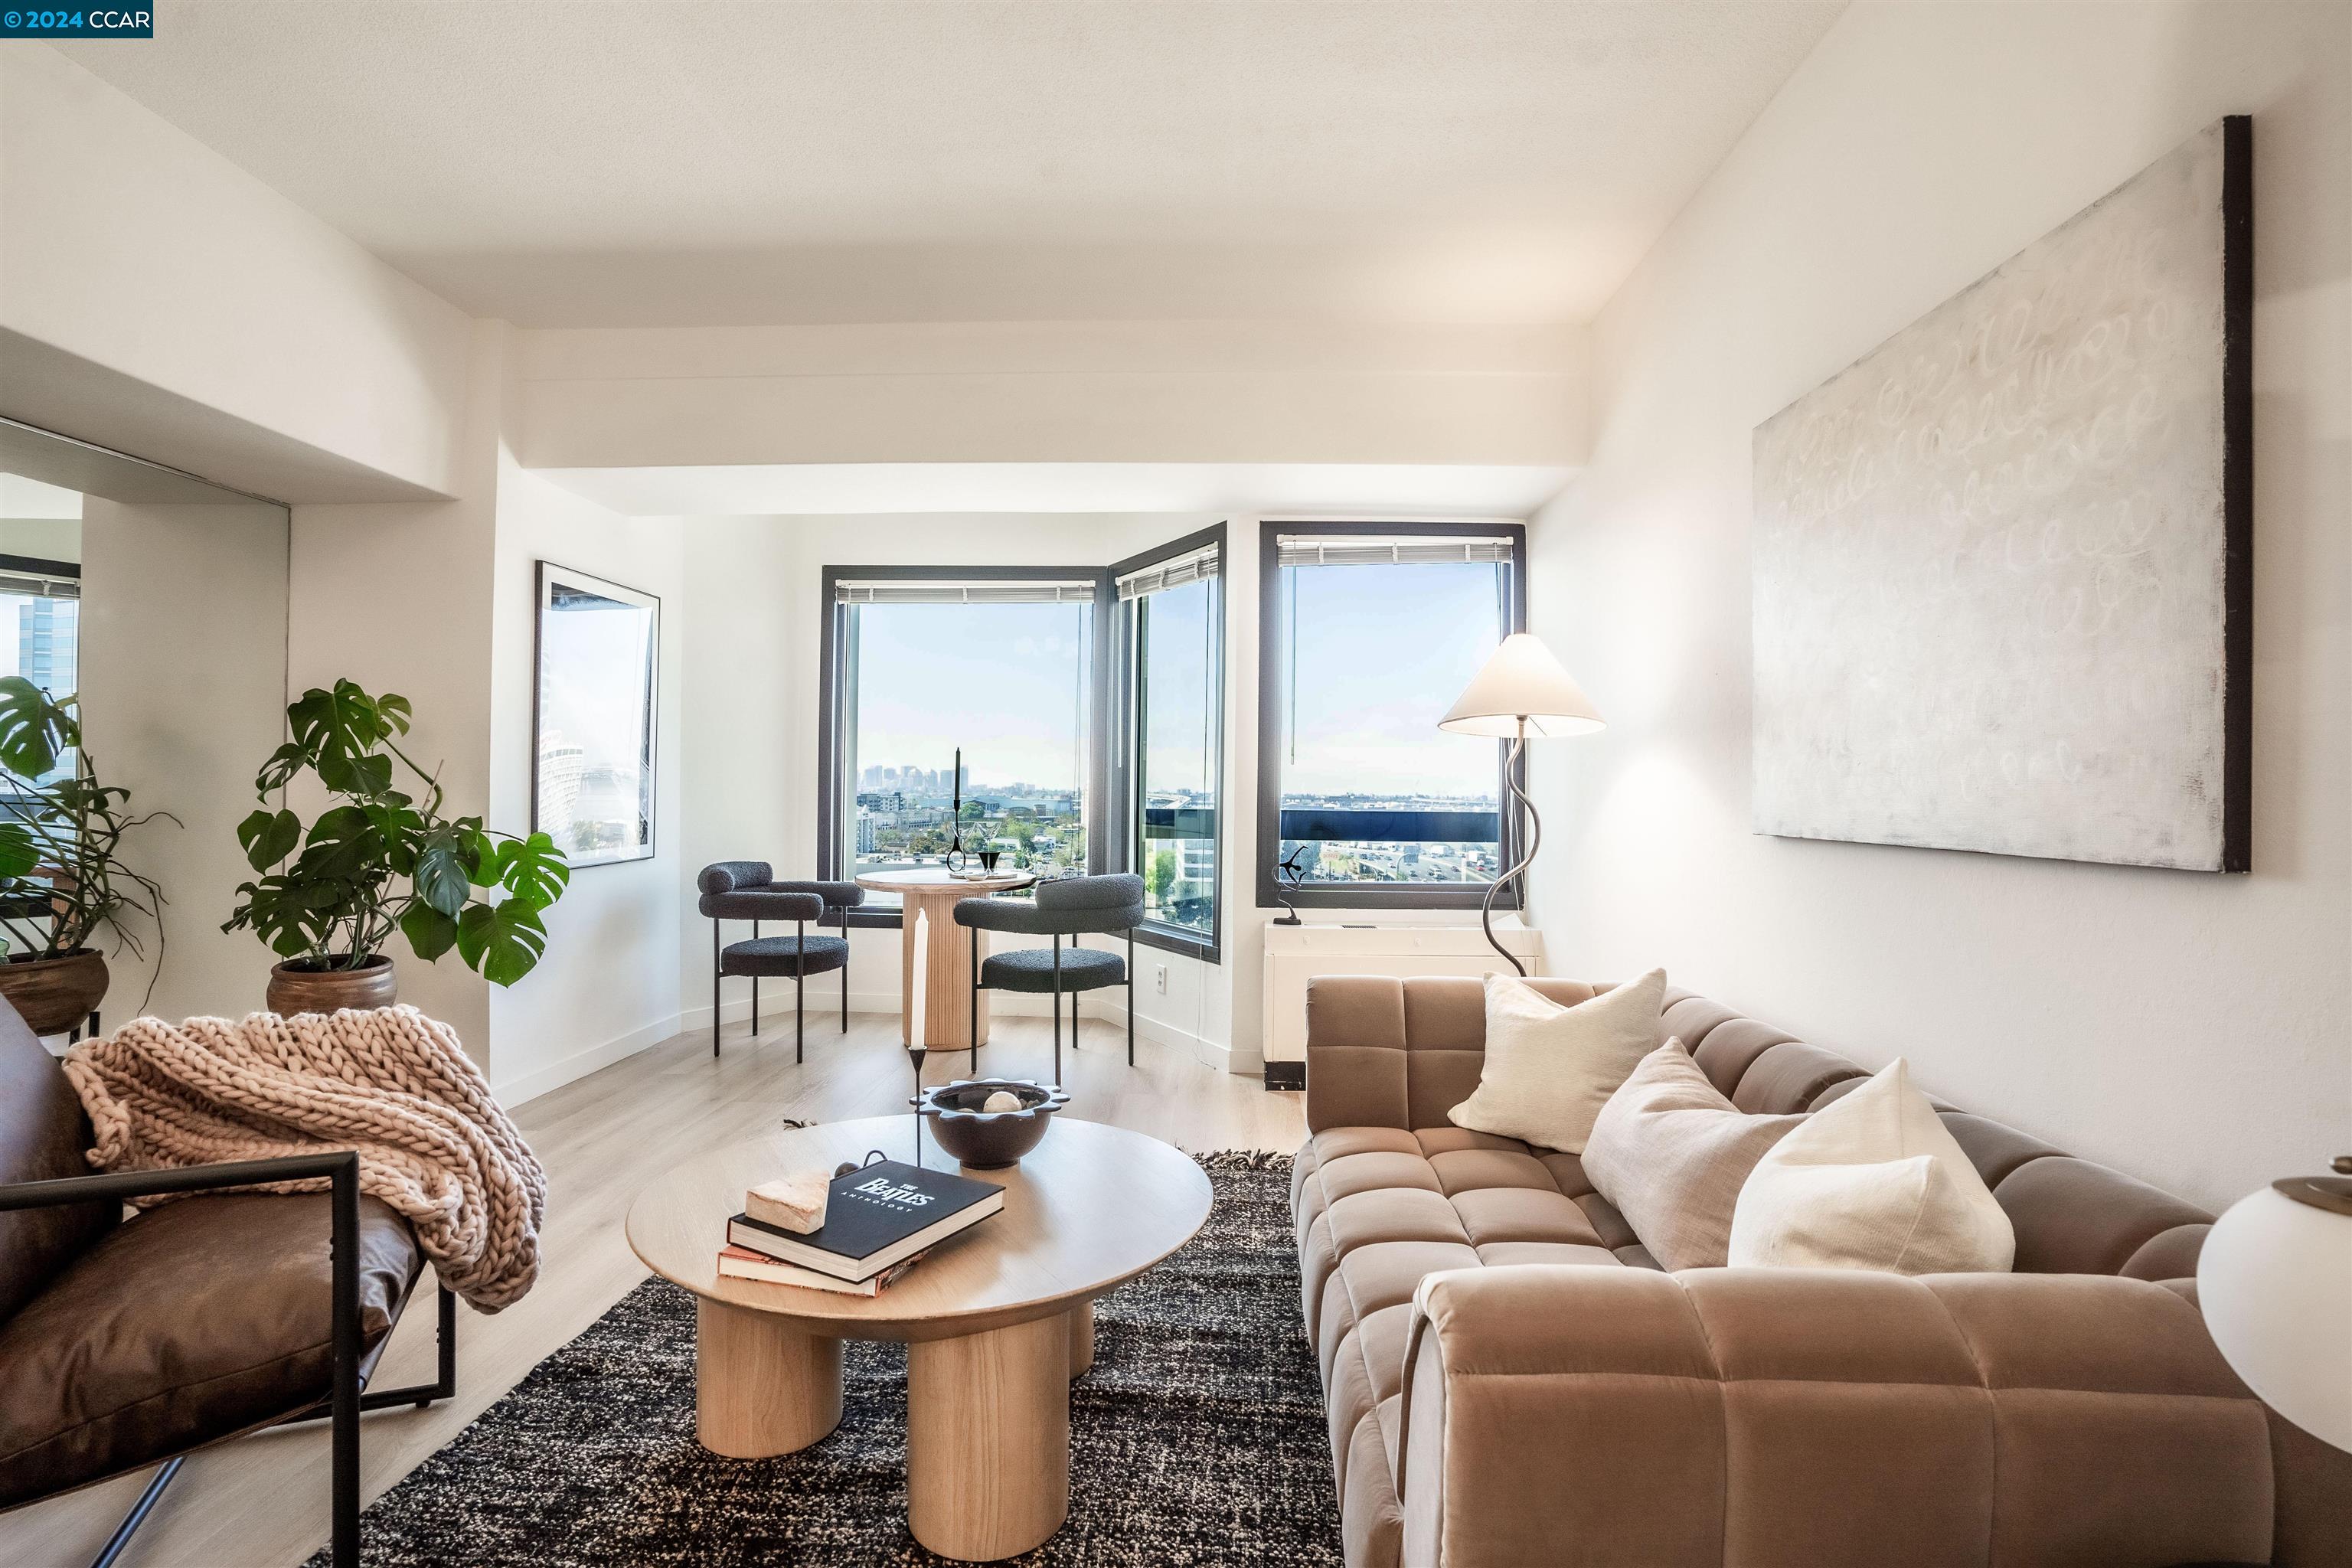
{"x":1549,"y":1068}
{"x":1672,"y":1153}
{"x":1871,"y":1181}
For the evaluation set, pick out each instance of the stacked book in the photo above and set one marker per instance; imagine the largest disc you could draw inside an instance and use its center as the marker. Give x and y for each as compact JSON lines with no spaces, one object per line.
{"x":872,"y":1225}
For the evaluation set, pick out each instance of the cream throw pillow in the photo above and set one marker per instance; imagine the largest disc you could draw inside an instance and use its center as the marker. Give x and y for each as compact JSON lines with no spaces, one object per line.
{"x":1870,"y":1180}
{"x":1549,"y":1068}
{"x":1672,"y":1153}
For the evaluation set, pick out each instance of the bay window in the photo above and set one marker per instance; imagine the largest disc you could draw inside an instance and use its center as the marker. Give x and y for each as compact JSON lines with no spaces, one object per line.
{"x":1170,"y":770}
{"x":998,"y":662}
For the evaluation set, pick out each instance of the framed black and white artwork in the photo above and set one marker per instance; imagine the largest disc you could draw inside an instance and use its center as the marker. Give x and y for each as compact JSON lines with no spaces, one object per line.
{"x":2003,"y":565}
{"x":593,"y":731}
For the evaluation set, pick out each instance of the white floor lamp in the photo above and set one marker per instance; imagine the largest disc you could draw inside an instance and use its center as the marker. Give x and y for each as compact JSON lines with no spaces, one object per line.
{"x":1521,"y":692}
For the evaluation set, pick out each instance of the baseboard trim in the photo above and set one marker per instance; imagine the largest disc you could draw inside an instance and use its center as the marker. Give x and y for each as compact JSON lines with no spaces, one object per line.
{"x":530,"y":1086}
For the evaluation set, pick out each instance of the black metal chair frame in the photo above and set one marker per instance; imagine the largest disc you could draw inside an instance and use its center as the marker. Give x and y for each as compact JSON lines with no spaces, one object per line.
{"x":347,"y":1396}
{"x":800,"y":986}
{"x":977,"y":988}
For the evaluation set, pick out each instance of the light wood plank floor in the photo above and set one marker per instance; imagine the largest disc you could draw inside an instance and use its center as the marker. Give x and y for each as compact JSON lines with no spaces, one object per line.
{"x":261,"y":1502}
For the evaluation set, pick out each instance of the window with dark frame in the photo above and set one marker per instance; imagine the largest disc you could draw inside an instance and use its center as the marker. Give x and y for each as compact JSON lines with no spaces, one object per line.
{"x":1168,"y":769}
{"x":1368,"y":633}
{"x":1001,"y":662}
{"x":40,"y":617}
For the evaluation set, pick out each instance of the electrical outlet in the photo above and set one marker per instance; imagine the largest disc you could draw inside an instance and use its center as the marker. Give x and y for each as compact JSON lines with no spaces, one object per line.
{"x":1160,"y":978}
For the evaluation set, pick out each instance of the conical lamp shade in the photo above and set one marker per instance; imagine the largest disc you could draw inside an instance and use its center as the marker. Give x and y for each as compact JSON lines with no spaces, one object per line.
{"x":1522,"y":681}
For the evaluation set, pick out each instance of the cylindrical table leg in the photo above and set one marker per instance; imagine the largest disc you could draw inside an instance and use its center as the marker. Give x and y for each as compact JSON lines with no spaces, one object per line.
{"x":761,"y":1386}
{"x":988,"y":1439}
{"x":1082,"y":1338}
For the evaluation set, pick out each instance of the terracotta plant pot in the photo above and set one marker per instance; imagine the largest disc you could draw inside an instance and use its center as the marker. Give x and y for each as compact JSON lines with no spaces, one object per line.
{"x":54,"y":994}
{"x":295,"y":989}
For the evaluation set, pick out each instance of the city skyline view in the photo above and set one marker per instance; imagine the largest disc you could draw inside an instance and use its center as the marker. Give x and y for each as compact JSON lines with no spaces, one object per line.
{"x":1005,"y":682}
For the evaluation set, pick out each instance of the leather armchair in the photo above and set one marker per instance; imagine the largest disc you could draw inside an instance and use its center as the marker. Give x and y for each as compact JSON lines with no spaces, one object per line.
{"x":126,"y":1343}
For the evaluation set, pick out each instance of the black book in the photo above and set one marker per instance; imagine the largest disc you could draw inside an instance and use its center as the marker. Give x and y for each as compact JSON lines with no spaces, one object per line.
{"x":874,"y":1217}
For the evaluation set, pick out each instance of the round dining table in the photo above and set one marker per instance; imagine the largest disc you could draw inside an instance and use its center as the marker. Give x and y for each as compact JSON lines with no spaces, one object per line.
{"x":952,"y":1020}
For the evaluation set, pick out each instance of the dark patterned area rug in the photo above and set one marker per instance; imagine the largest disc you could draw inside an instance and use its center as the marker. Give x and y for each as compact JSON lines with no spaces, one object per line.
{"x":1198,"y":1438}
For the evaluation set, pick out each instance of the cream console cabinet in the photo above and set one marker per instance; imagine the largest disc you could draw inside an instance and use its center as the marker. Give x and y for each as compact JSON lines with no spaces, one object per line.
{"x":1295,"y":954}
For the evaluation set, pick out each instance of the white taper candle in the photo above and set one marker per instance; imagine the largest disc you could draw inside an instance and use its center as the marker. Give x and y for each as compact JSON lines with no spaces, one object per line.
{"x":915,"y":983}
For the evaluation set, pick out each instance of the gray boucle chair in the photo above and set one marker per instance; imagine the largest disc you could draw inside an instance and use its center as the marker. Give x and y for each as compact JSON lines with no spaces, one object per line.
{"x":1071,"y":907}
{"x":747,"y":891}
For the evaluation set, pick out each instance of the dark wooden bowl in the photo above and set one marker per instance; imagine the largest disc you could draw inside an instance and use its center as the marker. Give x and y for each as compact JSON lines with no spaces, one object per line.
{"x":292,"y":990}
{"x":987,"y":1140}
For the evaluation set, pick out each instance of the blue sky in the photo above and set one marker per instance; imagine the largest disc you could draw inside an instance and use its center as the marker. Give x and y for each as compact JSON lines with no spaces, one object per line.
{"x":1004,"y":681}
{"x":1384,"y":652}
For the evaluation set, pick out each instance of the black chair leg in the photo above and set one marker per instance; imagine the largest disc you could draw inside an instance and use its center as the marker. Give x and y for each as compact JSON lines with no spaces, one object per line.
{"x":715,"y":967}
{"x":972,"y":1022}
{"x":845,"y":986}
{"x":755,"y":989}
{"x":138,"y":1512}
{"x":1130,"y":997}
{"x":1058,"y":1009}
{"x":346,"y":1394}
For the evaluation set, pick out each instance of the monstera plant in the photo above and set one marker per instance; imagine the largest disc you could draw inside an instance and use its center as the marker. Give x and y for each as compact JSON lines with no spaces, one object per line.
{"x":62,"y":877}
{"x":380,"y":859}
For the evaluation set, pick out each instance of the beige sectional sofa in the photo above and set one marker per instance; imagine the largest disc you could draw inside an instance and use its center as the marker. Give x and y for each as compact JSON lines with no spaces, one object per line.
{"x":1512,"y":1380}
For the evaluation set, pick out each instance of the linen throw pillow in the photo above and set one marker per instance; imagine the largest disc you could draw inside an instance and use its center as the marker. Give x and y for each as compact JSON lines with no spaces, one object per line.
{"x":1871,"y":1181}
{"x":1549,"y":1068}
{"x":1672,"y":1153}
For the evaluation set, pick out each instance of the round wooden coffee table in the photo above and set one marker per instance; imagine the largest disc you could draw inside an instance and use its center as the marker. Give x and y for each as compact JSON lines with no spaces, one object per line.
{"x":951,"y":1012}
{"x":997,"y":1319}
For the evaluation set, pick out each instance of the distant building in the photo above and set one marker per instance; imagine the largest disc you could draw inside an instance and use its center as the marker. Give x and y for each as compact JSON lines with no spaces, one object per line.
{"x":865,"y":825}
{"x":561,"y":768}
{"x":46,"y":632}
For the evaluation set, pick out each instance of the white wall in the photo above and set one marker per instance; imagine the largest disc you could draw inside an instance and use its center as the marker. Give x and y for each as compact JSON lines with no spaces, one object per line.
{"x":183,"y":660}
{"x":2189,"y":1028}
{"x":608,"y":984}
{"x":162,"y":301}
{"x":397,"y":596}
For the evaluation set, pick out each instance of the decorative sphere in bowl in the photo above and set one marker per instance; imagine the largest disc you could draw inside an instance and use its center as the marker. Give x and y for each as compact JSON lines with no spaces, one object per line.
{"x":983,"y":1139}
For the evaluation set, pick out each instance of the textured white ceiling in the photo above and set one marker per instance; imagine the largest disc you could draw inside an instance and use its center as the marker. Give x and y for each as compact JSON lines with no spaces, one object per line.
{"x":672,"y":161}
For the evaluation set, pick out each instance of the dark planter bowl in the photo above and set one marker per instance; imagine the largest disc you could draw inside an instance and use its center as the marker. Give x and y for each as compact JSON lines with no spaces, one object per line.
{"x":54,"y":994}
{"x":294,"y":989}
{"x":986,"y":1140}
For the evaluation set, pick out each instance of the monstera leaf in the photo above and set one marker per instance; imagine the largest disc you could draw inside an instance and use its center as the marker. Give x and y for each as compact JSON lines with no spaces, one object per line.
{"x":502,"y":940}
{"x":268,"y":838}
{"x":532,"y":870}
{"x":430,"y":933}
{"x":35,"y":728}
{"x":336,"y":734}
{"x":444,"y":872}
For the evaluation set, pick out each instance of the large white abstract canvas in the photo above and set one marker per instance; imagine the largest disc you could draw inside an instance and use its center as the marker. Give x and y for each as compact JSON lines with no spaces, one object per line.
{"x":2002,"y":584}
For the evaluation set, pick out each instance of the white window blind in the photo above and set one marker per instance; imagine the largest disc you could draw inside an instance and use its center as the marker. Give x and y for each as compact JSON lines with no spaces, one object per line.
{"x":13,"y":580}
{"x":1171,"y":574}
{"x":943,"y":591}
{"x":1331,"y":549}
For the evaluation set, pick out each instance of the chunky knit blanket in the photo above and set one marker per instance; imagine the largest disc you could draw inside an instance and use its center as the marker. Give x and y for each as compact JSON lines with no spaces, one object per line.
{"x":391,"y":1083}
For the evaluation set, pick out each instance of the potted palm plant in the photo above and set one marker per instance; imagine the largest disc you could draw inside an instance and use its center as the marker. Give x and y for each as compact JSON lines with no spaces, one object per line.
{"x":377,"y":860}
{"x":61,"y":872}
